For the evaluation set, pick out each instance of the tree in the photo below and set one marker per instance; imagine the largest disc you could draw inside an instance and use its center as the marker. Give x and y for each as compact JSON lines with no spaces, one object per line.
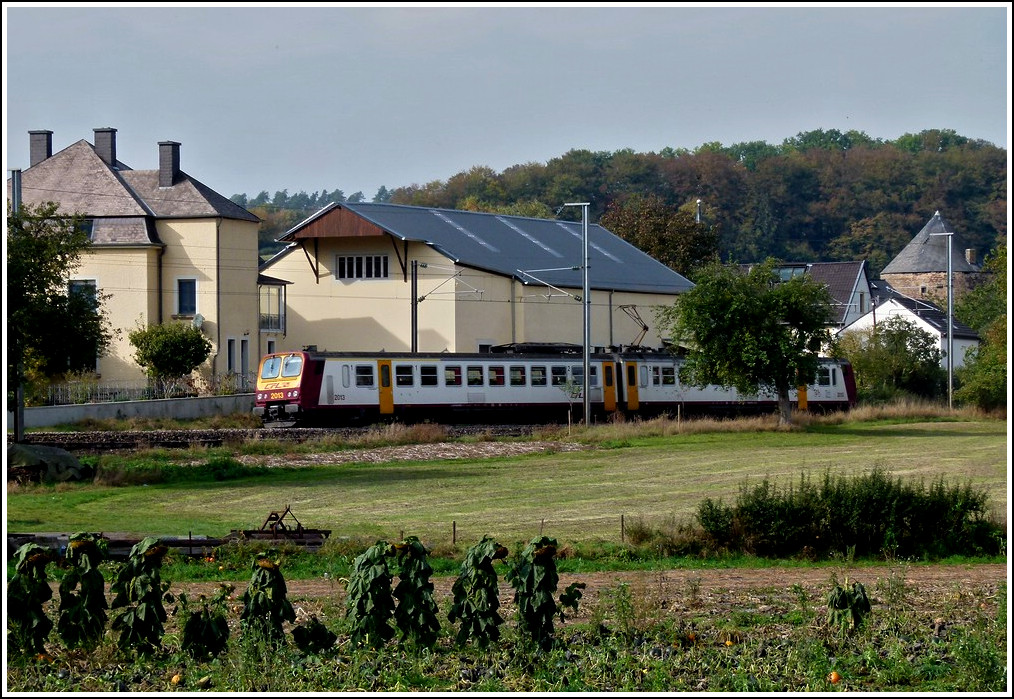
{"x":50,"y":330}
{"x":169,"y":352}
{"x":893,"y":357}
{"x":750,"y":331}
{"x":668,"y":234}
{"x":983,"y":379}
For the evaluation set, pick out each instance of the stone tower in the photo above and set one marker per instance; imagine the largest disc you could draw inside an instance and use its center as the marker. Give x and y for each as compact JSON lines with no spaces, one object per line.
{"x":920,"y":269}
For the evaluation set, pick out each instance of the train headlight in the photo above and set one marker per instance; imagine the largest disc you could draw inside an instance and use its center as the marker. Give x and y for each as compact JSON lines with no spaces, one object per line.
{"x":293,"y":393}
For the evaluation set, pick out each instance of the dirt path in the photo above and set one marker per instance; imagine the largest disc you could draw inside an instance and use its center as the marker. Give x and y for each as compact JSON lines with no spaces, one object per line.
{"x":936,"y":591}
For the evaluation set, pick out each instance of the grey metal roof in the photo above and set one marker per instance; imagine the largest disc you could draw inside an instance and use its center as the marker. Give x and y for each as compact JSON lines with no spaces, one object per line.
{"x":534,"y":250}
{"x":882,"y":292}
{"x":928,"y":251}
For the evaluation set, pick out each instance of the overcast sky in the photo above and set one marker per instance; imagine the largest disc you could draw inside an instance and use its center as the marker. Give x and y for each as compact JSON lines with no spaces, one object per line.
{"x":304,"y":98}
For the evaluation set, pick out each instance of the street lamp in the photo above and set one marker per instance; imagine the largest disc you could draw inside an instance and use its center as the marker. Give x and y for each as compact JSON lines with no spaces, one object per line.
{"x":950,"y":322}
{"x":586,"y":302}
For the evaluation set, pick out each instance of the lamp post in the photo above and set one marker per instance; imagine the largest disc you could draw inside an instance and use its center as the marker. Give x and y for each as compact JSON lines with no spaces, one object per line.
{"x":950,"y":322}
{"x":586,"y":303}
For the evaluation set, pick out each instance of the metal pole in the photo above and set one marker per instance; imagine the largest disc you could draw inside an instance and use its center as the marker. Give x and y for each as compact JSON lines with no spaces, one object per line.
{"x":950,"y":316}
{"x":587,"y":319}
{"x":950,"y":327}
{"x":586,"y":302}
{"x":415,"y":305}
{"x":19,"y":389}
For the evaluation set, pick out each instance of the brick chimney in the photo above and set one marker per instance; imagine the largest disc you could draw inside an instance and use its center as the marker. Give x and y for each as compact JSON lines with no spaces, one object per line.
{"x":40,"y":146}
{"x":168,"y":163}
{"x":970,"y":255}
{"x":105,"y":145}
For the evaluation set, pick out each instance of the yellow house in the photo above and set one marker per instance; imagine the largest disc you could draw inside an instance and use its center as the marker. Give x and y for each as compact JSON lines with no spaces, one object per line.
{"x":165,"y":248}
{"x":375,"y":277}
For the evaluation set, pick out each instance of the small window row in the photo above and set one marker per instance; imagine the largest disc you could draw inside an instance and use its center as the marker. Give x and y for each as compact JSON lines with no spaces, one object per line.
{"x":409,"y":375}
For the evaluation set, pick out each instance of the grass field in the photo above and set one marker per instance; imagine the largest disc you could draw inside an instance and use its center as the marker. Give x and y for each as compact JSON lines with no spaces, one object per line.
{"x":572,"y":496}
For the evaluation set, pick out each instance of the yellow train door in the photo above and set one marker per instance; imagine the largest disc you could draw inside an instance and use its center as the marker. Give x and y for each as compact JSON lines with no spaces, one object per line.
{"x":386,"y":392}
{"x":633,"y":402}
{"x":608,"y":387}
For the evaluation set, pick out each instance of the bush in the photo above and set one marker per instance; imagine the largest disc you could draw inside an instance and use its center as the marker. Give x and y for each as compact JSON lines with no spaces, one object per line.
{"x":871,"y":514}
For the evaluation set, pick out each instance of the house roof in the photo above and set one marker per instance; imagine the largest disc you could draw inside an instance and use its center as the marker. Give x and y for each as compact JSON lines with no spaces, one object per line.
{"x":927,"y":252}
{"x":122,"y":203}
{"x":882,"y":292}
{"x":533,"y":250}
{"x":841,"y":278}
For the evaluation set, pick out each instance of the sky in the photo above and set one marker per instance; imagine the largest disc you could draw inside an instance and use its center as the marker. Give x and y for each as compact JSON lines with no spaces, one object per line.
{"x":308,"y":97}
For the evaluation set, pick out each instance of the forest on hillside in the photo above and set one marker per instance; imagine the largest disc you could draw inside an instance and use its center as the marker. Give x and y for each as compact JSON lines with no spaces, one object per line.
{"x":822,"y":196}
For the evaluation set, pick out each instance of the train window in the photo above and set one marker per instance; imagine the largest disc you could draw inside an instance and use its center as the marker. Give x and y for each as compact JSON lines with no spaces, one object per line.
{"x":609,"y":375}
{"x":364,"y":375}
{"x":385,"y":375}
{"x":496,"y":376}
{"x":578,"y":373}
{"x":823,"y":376}
{"x":517,"y":376}
{"x":593,"y":380}
{"x":559,"y":374}
{"x":631,"y":374}
{"x":291,"y":366}
{"x":474,"y":375}
{"x":345,"y":376}
{"x":644,"y":376}
{"x":668,"y":376}
{"x":538,"y":376}
{"x":452,"y":376}
{"x":271,"y":367}
{"x":404,"y":375}
{"x":428,"y":375}
{"x":656,"y":375}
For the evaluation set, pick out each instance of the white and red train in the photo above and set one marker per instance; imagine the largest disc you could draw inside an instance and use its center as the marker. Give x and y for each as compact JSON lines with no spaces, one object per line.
{"x":530,"y":383}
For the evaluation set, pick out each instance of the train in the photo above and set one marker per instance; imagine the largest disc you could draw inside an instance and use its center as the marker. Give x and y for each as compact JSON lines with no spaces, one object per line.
{"x":531,"y":383}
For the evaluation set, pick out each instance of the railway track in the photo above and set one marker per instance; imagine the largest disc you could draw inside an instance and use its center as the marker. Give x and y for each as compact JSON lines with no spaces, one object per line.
{"x":105,"y":441}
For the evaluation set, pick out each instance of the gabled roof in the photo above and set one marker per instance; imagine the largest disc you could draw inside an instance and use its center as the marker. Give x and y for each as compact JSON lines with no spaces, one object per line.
{"x":928,"y":251}
{"x":187,"y":198}
{"x":533,"y":250}
{"x":122,"y":203}
{"x":882,"y":292}
{"x":841,"y":279}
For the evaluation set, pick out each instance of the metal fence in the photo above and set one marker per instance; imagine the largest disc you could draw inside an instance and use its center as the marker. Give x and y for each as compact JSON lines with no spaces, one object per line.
{"x":80,"y":392}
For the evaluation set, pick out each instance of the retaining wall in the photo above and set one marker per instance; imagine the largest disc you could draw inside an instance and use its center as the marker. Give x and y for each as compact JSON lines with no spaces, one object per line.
{"x":173,"y":408}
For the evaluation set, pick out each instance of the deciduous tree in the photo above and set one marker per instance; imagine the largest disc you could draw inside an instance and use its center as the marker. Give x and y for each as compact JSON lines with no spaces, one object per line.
{"x":670,"y":235}
{"x":50,"y":331}
{"x":893,"y":357}
{"x":750,"y":331}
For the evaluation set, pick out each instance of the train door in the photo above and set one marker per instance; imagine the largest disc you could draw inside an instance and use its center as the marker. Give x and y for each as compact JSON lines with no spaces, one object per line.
{"x":608,"y":387}
{"x":386,"y":391}
{"x":633,"y":401}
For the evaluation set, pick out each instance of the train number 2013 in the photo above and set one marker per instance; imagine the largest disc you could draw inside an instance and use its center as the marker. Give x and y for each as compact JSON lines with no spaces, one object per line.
{"x":276,"y":395}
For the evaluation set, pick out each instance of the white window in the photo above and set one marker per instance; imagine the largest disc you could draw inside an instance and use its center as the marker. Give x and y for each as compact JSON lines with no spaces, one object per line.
{"x":361,"y":267}
{"x":186,"y":297}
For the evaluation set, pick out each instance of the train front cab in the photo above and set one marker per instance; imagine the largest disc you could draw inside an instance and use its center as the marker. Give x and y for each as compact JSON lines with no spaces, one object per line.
{"x":279,"y":388}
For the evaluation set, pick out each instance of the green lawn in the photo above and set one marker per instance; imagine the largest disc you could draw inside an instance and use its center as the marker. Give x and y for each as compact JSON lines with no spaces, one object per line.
{"x":572,"y":496}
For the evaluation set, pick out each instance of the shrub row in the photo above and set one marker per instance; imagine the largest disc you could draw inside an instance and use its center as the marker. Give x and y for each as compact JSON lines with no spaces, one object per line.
{"x":871,"y":514}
